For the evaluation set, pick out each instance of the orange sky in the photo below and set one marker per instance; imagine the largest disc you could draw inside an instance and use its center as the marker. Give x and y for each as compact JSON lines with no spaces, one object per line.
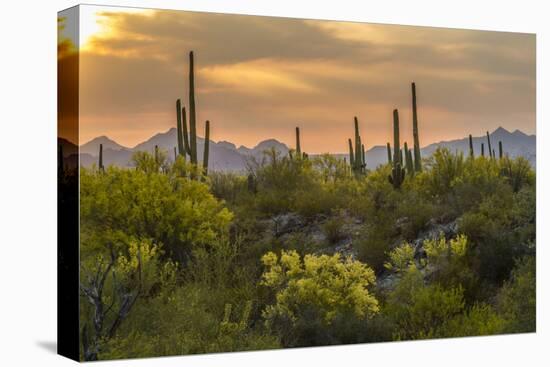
{"x":259,"y":77}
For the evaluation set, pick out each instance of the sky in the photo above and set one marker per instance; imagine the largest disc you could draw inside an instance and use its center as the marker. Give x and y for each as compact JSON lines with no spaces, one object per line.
{"x":259,"y":77}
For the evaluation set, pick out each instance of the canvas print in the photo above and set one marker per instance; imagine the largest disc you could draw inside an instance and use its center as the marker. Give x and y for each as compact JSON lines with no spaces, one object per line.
{"x":232,"y":183}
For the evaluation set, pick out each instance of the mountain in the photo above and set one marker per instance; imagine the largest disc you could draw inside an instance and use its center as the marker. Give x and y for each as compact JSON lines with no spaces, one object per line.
{"x":92,"y":147}
{"x":514,"y":144}
{"x":225,"y":156}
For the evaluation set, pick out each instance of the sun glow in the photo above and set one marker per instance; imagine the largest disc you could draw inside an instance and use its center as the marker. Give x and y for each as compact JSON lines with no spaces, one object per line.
{"x":94,"y":24}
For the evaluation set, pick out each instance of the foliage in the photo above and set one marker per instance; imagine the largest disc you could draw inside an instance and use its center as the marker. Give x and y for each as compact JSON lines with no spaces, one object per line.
{"x":315,"y":289}
{"x":178,"y":213}
{"x":333,"y":227}
{"x":196,"y":255}
{"x":517,"y":298}
{"x":420,"y":309}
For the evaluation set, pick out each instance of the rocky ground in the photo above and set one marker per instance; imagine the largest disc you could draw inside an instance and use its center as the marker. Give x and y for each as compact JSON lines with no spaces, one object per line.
{"x":336,"y":235}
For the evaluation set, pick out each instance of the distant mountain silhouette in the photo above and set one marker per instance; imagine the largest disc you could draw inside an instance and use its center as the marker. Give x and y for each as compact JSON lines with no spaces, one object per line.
{"x":224,"y":156}
{"x":92,"y":147}
{"x":514,"y":144}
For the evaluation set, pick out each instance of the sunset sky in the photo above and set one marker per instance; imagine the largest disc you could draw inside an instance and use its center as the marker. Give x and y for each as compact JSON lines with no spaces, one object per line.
{"x":259,"y":77}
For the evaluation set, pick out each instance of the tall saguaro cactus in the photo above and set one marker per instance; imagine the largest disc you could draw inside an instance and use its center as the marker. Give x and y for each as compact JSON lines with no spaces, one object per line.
{"x":398,"y":173}
{"x":482,"y":150}
{"x":187,"y":139}
{"x":417,"y":157}
{"x":206,"y":147}
{"x":357,"y":153}
{"x":388,"y":147}
{"x":101,"y":167}
{"x":192,"y":114}
{"x":471,"y":146}
{"x":298,"y":148}
{"x":500,"y":151}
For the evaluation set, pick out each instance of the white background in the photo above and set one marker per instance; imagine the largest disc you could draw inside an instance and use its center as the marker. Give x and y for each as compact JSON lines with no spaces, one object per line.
{"x":28,"y":32}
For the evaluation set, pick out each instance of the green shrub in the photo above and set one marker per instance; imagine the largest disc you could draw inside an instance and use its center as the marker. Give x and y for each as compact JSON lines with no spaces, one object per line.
{"x":517,"y":298}
{"x":333,"y":227}
{"x":178,"y":213}
{"x":314,"y":295}
{"x":227,"y":186}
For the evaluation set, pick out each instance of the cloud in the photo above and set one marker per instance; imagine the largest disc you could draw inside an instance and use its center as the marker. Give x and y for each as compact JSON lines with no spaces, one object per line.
{"x":258,"y":77}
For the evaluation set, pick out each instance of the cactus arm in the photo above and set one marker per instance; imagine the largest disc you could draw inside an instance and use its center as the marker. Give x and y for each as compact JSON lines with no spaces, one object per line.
{"x":364,"y":165}
{"x":398,"y":173}
{"x":178,"y":127}
{"x":351,"y":157}
{"x":357,"y":159}
{"x":298,"y":148}
{"x":489,"y":145}
{"x":471,"y":145}
{"x":417,"y":157}
{"x":396,"y":143}
{"x":500,"y":151}
{"x":206,"y":147}
{"x":185,"y":133}
{"x":408,"y":160}
{"x":389,"y":152}
{"x":192,"y":115}
{"x":482,"y":150}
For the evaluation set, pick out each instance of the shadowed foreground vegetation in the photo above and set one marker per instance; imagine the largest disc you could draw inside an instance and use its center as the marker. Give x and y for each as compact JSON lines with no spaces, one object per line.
{"x":177,"y":262}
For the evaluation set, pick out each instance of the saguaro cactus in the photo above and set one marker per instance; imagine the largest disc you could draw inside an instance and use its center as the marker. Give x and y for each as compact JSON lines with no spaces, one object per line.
{"x":179,"y":128}
{"x":500,"y":151}
{"x":417,"y":157}
{"x":409,"y":160}
{"x":192,"y":115}
{"x":298,"y":148}
{"x":388,"y":147}
{"x":357,"y":153}
{"x":101,"y":167}
{"x":351,"y":155}
{"x":157,"y":158}
{"x":364,"y":156}
{"x":471,"y":146}
{"x":398,"y":173}
{"x":186,"y":144}
{"x":482,"y":150}
{"x":491,"y":155}
{"x":187,"y":139}
{"x":206,"y":147}
{"x":358,"y":156}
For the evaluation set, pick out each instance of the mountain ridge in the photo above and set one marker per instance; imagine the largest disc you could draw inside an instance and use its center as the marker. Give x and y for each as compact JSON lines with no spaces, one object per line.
{"x":225,"y":156}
